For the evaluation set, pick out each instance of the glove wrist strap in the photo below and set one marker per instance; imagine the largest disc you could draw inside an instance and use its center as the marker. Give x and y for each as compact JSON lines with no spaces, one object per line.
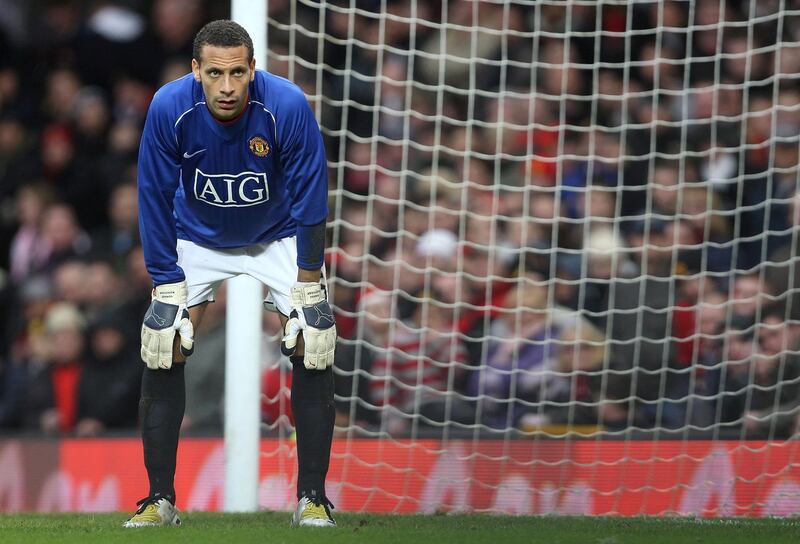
{"x":171,"y":293}
{"x":306,"y":293}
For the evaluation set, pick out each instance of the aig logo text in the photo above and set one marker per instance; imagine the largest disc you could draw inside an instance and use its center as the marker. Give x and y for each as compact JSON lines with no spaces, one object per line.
{"x":231,"y":190}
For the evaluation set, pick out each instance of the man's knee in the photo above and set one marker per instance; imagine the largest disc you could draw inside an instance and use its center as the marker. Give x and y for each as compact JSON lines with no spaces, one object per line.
{"x":314,"y":386}
{"x":164,"y":384}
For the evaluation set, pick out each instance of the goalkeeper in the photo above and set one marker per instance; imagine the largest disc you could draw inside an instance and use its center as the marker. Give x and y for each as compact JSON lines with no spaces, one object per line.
{"x":232,"y":180}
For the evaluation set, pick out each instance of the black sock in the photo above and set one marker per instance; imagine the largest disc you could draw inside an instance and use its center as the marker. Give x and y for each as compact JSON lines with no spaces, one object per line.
{"x":161,"y":412}
{"x":314,"y":415}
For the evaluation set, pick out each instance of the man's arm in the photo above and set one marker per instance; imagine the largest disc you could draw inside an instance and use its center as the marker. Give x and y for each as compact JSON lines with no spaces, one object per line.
{"x":305,"y":168}
{"x":158,"y":178}
{"x":309,"y":275}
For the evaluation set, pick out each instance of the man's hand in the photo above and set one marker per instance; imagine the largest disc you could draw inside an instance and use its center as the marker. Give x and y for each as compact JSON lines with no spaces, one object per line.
{"x":167,"y":313}
{"x":312,"y":315}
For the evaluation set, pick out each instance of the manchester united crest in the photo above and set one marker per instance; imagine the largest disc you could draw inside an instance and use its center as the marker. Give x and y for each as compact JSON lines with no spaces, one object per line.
{"x":259,"y":146}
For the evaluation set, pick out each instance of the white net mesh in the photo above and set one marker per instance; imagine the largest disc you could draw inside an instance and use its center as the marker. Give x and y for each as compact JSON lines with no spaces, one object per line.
{"x":562,"y":251}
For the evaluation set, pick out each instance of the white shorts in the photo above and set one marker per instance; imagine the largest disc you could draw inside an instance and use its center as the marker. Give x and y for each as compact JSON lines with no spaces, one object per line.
{"x":274,"y":264}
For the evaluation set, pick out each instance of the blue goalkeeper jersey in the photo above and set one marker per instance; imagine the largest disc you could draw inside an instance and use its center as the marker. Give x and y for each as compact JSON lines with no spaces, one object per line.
{"x":228,"y":185}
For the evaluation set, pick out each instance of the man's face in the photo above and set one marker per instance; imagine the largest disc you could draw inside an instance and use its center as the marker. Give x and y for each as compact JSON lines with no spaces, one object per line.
{"x":225,"y":74}
{"x":773,"y":336}
{"x":746,"y":294}
{"x":740,"y":346}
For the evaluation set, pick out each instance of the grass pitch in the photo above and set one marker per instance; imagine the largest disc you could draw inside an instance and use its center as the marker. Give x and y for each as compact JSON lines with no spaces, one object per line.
{"x":273,"y":528}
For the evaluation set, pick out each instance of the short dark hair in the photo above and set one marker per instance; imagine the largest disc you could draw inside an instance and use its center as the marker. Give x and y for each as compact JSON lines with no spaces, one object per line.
{"x":222,"y":33}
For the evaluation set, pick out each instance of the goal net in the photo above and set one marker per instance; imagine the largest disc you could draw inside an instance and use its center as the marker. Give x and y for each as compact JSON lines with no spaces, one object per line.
{"x":562,"y":253}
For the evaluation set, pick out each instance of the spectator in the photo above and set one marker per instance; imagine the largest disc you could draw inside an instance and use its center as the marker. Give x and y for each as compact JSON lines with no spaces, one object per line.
{"x":521,"y":363}
{"x":22,"y":342}
{"x":110,"y":379}
{"x":733,"y":376}
{"x":63,"y":87}
{"x":72,"y":177}
{"x":28,"y":250}
{"x":658,"y":68}
{"x":107,"y":298}
{"x":782,"y":275}
{"x":457,"y":44}
{"x":62,"y":236}
{"x":53,"y":375}
{"x":721,"y":355}
{"x":69,"y":282}
{"x":642,"y":353}
{"x":415,"y":366}
{"x":115,"y":240}
{"x":701,"y":210}
{"x":758,"y":133}
{"x":747,"y":294}
{"x":765,"y":220}
{"x":573,"y":396}
{"x":531,"y":225}
{"x":774,"y":396}
{"x":17,"y":156}
{"x":91,"y":119}
{"x":175,"y":23}
{"x":354,"y":360}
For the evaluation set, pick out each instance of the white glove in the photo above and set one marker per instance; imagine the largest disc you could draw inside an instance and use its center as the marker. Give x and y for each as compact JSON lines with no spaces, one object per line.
{"x":167,"y":313}
{"x":312,"y":315}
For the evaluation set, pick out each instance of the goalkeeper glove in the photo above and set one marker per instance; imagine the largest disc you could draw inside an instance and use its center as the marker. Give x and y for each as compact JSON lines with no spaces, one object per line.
{"x":312,"y":315}
{"x":167,"y":313}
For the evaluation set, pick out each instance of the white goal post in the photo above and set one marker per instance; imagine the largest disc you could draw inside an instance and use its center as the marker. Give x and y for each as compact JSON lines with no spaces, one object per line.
{"x":243,"y":337}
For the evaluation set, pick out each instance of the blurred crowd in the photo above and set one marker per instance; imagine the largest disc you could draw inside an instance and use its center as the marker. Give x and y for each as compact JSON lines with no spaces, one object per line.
{"x":542,"y":214}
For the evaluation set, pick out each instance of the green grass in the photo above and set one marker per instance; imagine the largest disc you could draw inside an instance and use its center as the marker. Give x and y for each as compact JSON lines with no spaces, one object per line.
{"x":273,"y":528}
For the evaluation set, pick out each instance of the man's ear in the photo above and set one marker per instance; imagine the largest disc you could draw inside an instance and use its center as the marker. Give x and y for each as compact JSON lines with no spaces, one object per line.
{"x":196,"y":70}
{"x":252,"y":68}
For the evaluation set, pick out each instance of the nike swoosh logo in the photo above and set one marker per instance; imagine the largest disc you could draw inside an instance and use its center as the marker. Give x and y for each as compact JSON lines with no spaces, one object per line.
{"x":187,"y":155}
